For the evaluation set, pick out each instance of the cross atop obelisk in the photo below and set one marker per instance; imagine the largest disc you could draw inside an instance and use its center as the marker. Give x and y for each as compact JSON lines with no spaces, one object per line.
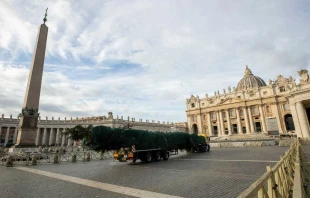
{"x":27,"y":129}
{"x":44,"y":20}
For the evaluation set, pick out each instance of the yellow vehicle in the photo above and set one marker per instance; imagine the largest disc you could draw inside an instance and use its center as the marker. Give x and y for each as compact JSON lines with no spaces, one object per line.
{"x":206,"y":137}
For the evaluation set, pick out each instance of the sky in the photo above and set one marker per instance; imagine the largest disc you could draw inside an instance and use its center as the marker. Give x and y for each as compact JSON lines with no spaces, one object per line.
{"x":144,"y":58}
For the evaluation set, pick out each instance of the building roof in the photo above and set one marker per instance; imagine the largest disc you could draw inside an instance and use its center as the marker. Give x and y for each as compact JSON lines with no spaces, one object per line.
{"x":250,"y":81}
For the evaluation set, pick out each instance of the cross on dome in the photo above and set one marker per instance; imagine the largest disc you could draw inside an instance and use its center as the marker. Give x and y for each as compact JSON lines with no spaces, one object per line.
{"x":247,"y":71}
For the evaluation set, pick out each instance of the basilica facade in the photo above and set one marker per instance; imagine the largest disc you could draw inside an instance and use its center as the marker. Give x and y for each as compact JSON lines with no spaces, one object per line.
{"x":253,"y":106}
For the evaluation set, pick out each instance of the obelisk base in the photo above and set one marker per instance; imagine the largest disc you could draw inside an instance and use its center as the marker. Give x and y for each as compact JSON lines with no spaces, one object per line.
{"x":27,"y":132}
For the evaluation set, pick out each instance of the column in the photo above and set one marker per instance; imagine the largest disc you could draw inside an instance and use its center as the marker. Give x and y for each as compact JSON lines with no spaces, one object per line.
{"x":302,"y":119}
{"x":228,"y":122}
{"x":199,"y":123}
{"x":262,"y":118}
{"x":51,"y":139}
{"x":57,"y":141}
{"x":221,"y":122}
{"x":296,"y":119}
{"x":219,"y":130}
{"x":15,"y":135}
{"x":7,"y":136}
{"x":38,"y":137}
{"x":63,"y":138}
{"x":209,"y":124}
{"x":246,"y":120}
{"x":0,"y":133}
{"x":275,"y":109}
{"x":239,"y":121}
{"x":44,"y":139}
{"x":69,"y":141}
{"x":189,"y":124}
{"x":251,"y":119}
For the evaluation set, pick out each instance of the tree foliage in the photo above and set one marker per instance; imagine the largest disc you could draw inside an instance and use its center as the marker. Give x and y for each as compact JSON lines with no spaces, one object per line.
{"x":79,"y":132}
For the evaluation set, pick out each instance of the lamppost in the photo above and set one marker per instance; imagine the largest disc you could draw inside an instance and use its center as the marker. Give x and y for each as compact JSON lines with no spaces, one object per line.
{"x":127,"y":125}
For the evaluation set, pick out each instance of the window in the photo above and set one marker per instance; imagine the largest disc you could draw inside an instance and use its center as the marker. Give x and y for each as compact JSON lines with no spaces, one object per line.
{"x":282,"y":89}
{"x":203,"y":104}
{"x":241,"y":112}
{"x":255,"y":110}
{"x":204,"y":117}
{"x":232,"y":113}
{"x":252,"y":94}
{"x":265,"y":93}
{"x":213,"y":116}
{"x":193,"y":118}
{"x":193,"y":105}
{"x":224,"y":115}
{"x":211,"y":101}
{"x":286,"y":107}
{"x":239,"y":97}
{"x":268,"y":109}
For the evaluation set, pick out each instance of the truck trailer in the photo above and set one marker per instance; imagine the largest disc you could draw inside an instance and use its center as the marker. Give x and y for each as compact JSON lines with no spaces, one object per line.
{"x":130,"y":145}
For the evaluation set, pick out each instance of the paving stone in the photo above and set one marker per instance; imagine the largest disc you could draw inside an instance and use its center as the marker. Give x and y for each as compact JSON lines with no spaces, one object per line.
{"x":187,"y":175}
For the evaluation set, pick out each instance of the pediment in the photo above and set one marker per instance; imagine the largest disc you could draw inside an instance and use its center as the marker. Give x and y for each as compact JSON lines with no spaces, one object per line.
{"x":230,"y":100}
{"x":227,"y":100}
{"x":192,"y":99}
{"x":281,"y":81}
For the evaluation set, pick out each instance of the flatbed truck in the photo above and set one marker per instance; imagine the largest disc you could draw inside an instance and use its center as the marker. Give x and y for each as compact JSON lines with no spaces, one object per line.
{"x":130,"y":154}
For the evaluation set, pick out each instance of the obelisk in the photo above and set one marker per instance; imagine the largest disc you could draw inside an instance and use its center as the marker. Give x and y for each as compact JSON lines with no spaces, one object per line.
{"x":27,"y":128}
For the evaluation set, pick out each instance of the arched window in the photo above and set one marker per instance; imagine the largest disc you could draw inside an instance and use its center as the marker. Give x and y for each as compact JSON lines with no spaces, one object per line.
{"x":255,"y":110}
{"x":213,"y":115}
{"x":268,"y":109}
{"x":241,"y":112}
{"x":282,"y":89}
{"x":286,"y":107}
{"x":232,"y":113}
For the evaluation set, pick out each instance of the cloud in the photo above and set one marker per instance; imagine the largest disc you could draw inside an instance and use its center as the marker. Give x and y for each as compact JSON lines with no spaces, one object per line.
{"x":144,"y":58}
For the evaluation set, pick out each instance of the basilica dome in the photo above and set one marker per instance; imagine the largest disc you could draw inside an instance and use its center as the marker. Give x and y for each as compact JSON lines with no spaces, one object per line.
{"x":250,"y":81}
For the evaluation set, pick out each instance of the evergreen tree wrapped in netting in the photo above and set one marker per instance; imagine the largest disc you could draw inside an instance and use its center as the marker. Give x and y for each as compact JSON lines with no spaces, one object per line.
{"x":195,"y":140}
{"x":107,"y":138}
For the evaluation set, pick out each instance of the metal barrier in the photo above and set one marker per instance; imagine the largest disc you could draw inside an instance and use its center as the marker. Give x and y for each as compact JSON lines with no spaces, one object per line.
{"x":288,"y":178}
{"x":301,"y":179}
{"x":34,"y":158}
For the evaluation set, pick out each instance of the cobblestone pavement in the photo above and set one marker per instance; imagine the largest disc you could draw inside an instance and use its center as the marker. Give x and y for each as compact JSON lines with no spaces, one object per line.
{"x":222,"y":172}
{"x":306,"y":147}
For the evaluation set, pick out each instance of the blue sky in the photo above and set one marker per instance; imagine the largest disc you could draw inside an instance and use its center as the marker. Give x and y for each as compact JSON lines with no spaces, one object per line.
{"x":144,"y":58}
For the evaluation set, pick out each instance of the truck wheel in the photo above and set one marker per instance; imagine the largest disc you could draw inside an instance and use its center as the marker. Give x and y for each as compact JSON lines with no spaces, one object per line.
{"x":157,"y":156}
{"x":148,"y":157}
{"x":165,"y":155}
{"x":208,"y":147}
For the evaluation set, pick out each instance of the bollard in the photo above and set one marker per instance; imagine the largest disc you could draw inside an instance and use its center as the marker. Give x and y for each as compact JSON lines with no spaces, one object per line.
{"x":88,"y":156}
{"x":56,"y":158}
{"x":73,"y":158}
{"x":9,"y":161}
{"x":27,"y":158}
{"x":34,"y":160}
{"x":101,"y":155}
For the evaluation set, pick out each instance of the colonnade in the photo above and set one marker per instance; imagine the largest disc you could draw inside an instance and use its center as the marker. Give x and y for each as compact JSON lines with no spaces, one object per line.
{"x":246,"y":120}
{"x":5,"y":134}
{"x":45,"y":136}
{"x":53,"y":136}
